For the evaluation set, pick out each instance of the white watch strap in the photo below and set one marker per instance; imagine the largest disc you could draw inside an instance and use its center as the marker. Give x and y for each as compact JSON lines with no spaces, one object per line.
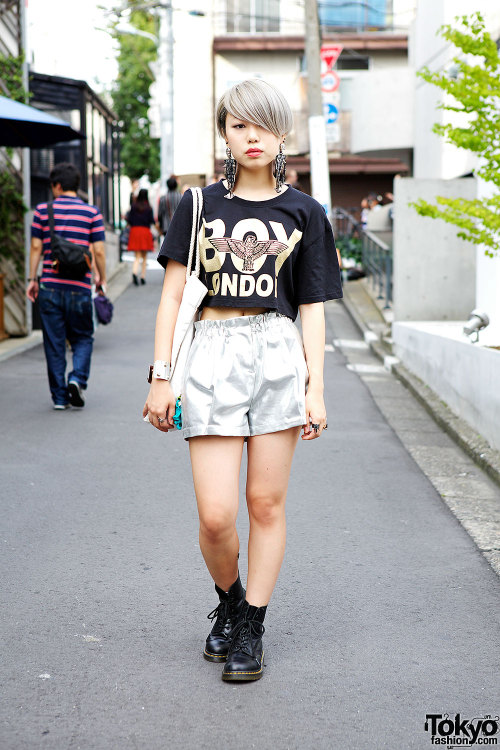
{"x":161,"y":370}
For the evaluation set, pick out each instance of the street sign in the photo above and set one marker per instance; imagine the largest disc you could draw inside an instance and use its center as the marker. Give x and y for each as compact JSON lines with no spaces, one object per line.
{"x":332,"y":133}
{"x":330,"y":81}
{"x":330,"y":54}
{"x":331,"y":113}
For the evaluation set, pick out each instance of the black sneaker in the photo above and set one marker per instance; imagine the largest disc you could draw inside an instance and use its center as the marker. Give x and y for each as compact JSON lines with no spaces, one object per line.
{"x":245,"y":658}
{"x":75,"y":394}
{"x":226,"y":616}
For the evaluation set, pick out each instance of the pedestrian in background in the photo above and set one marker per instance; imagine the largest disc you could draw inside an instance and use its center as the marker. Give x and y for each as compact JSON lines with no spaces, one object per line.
{"x":167,"y":205}
{"x":140,"y":241}
{"x":293,"y":180}
{"x":65,"y":302}
{"x":364,"y":213}
{"x":272,"y":253}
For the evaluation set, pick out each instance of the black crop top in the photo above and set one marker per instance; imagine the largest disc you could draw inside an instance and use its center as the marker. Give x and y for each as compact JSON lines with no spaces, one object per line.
{"x":277,"y":254}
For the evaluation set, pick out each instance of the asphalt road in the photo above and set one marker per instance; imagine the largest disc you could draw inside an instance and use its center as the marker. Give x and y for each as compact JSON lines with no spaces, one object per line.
{"x":385,"y":609}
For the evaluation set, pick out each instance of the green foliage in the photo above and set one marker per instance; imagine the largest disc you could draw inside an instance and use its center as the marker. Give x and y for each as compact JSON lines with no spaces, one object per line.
{"x":140,"y":154}
{"x":349,"y":247}
{"x":12,"y":210}
{"x":475,"y":94}
{"x":11,"y":74}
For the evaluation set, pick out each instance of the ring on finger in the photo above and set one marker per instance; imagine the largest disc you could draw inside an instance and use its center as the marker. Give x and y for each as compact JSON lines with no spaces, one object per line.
{"x":161,"y":419}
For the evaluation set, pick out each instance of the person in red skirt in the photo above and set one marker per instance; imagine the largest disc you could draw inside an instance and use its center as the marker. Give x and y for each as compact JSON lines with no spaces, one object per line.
{"x":140,"y":241}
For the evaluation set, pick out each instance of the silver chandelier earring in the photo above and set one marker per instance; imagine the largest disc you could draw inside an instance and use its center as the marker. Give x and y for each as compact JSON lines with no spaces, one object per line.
{"x":230,"y":170}
{"x":279,"y":171}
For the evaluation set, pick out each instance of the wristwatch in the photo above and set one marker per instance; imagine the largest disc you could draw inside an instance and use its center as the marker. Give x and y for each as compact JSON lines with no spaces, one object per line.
{"x":160,"y":370}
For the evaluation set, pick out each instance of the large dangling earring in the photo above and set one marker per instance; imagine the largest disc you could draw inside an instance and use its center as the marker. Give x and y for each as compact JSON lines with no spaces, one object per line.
{"x":279,"y":171}
{"x":230,"y":170}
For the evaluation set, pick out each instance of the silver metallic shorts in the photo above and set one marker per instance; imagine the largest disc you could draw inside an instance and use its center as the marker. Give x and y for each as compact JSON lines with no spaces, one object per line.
{"x":244,"y":376}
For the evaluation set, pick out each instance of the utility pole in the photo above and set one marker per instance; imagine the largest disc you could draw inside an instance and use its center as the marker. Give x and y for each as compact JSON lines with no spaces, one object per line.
{"x":166,"y":91}
{"x":318,"y":152}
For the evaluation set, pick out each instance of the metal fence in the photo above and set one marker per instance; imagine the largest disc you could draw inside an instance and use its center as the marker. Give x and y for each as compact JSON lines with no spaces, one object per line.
{"x":377,"y":263}
{"x":374,"y":254}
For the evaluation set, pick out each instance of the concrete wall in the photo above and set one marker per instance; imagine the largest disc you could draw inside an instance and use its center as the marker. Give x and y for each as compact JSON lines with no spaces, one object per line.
{"x":112,"y":252}
{"x":488,"y":275}
{"x":434,"y":271}
{"x":382,"y":110}
{"x":464,"y":375}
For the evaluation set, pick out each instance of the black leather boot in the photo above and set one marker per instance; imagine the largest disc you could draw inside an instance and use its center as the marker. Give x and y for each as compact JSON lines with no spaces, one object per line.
{"x":226,"y":616}
{"x":245,"y":658}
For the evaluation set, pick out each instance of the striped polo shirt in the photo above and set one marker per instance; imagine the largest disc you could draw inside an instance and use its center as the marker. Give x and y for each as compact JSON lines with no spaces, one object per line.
{"x":77,"y":222}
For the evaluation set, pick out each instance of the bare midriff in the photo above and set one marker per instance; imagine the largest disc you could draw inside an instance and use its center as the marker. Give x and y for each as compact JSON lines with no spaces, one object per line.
{"x":224,"y":313}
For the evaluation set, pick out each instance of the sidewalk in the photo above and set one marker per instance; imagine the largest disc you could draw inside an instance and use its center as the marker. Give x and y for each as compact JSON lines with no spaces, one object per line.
{"x":385,"y":610}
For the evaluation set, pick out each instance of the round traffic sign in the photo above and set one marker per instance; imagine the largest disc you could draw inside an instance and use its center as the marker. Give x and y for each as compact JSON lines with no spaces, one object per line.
{"x":330,"y":81}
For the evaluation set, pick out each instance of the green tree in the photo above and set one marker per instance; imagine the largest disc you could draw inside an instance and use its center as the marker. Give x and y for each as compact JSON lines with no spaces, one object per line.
{"x":140,"y":154}
{"x":474,"y":91}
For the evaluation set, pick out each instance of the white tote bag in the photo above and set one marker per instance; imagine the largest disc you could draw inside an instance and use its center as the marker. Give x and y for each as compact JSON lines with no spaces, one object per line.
{"x":192,"y":296}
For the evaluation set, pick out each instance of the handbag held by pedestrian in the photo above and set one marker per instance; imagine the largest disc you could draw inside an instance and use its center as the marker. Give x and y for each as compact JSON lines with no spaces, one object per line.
{"x":192,"y":296}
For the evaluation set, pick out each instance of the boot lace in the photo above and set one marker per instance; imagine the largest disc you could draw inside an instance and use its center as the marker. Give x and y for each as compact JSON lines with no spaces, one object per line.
{"x":221,"y":616}
{"x":244,"y":633}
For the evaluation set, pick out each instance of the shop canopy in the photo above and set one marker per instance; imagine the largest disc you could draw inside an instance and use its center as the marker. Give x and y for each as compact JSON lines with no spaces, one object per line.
{"x":21,"y":126}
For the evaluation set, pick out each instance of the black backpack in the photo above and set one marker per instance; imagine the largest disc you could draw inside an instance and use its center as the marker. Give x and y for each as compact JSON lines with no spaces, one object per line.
{"x":70,"y":260}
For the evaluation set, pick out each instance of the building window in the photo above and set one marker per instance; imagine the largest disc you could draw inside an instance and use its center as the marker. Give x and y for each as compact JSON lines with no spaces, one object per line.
{"x":358,"y":14}
{"x":353,"y":62}
{"x":244,"y":16}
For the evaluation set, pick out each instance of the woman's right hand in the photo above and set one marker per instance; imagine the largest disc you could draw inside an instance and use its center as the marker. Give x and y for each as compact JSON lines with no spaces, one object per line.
{"x":160,"y":405}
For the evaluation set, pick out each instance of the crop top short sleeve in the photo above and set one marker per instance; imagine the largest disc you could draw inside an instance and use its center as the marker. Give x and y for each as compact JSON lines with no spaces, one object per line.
{"x":276,"y":254}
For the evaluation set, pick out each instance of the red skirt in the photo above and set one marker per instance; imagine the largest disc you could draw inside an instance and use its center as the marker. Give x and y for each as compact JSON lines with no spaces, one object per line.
{"x":140,"y":239}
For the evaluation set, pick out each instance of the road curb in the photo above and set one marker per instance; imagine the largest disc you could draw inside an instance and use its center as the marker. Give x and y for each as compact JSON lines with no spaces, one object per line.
{"x":457,"y":428}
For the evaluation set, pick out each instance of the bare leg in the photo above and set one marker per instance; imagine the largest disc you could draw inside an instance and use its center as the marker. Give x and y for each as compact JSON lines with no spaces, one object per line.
{"x":137,"y":261}
{"x":216,"y":462}
{"x":144,"y":264}
{"x":269,"y":463}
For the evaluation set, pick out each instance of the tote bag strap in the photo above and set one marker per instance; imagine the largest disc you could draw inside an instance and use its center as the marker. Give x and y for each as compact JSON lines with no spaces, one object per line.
{"x":194,"y":249}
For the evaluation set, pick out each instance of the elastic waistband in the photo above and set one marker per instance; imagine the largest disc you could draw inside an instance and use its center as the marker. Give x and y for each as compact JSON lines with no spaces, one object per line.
{"x":253,"y":322}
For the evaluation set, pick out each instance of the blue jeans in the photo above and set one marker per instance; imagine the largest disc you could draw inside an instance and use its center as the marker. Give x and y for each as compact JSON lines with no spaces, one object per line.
{"x":65,"y":315}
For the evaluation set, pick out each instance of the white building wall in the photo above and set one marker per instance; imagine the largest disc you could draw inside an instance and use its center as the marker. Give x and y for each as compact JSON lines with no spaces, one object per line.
{"x":434,"y":158}
{"x":193,"y":87}
{"x":385,"y":61}
{"x":382,"y":110}
{"x":403,"y":12}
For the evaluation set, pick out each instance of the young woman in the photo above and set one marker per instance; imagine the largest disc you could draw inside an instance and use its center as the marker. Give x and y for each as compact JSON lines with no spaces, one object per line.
{"x":267,"y":250}
{"x":140,"y":241}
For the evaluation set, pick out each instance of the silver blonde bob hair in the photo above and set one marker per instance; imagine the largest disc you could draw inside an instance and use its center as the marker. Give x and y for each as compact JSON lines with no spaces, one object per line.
{"x":258,"y":102}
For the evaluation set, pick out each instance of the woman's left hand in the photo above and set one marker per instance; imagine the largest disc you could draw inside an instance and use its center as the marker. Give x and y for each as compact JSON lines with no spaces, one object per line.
{"x":315,"y":415}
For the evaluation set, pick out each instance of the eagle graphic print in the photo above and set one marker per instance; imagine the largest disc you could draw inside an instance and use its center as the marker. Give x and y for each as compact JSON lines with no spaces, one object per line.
{"x":236,"y":265}
{"x":249,"y":249}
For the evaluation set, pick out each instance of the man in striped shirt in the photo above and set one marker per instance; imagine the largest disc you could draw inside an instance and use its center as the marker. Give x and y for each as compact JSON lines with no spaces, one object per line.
{"x":66,"y":303}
